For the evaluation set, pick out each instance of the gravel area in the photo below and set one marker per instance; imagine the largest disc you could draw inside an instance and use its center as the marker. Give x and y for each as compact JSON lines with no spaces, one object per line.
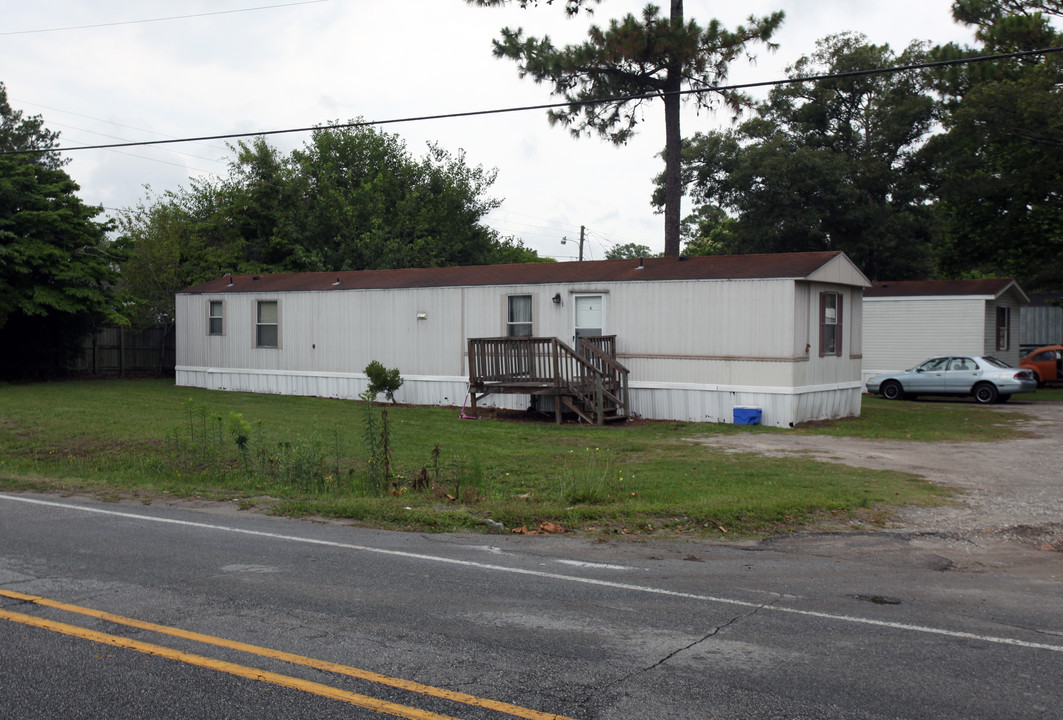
{"x":1011,"y":492}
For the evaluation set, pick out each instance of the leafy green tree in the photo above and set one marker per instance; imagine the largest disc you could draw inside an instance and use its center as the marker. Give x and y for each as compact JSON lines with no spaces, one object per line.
{"x":55,"y":267}
{"x":997,"y":167}
{"x":161,"y":254}
{"x":629,"y":251}
{"x":708,"y":231}
{"x":827,"y":164}
{"x":349,"y":199}
{"x":607,"y":79}
{"x":369,"y":204}
{"x":27,"y":134}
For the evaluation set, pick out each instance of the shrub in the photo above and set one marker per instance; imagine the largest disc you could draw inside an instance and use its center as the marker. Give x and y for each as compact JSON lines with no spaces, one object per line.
{"x":382,"y":380}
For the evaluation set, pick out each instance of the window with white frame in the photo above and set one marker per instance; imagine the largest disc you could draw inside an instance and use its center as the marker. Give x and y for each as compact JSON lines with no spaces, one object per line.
{"x":267,"y":327}
{"x":519,"y":316}
{"x":830,"y":324}
{"x":216,"y":317}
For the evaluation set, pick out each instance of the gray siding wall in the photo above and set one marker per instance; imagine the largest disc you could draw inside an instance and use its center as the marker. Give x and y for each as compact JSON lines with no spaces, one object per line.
{"x":1040,"y":325}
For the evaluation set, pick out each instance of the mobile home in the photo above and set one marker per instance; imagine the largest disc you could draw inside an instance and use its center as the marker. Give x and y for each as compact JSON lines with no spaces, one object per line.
{"x":907,"y":322}
{"x":697,"y":337}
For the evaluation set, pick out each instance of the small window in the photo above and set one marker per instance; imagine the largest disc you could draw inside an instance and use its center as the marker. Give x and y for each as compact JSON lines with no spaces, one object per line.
{"x":215,"y":318}
{"x":519,"y":316}
{"x":266,"y":327}
{"x":830,"y":324}
{"x":1003,"y":328}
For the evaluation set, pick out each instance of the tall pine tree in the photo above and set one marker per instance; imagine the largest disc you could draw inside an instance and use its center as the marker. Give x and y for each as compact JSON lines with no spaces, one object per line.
{"x":635,"y":60}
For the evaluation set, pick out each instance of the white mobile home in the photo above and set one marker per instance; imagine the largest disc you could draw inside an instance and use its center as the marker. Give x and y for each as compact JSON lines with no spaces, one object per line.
{"x":699,"y":337}
{"x":907,"y":322}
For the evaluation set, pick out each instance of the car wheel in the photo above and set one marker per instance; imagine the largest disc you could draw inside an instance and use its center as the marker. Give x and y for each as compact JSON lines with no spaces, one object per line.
{"x":985,"y":394}
{"x":1040,"y":382}
{"x":892,"y":390}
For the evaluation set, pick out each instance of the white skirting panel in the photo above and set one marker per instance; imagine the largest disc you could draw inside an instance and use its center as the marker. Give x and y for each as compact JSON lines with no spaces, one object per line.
{"x":780,"y":406}
{"x":426,"y":390}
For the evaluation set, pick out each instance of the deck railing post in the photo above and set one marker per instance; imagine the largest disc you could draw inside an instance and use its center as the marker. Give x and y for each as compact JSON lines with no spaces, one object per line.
{"x":599,"y":401}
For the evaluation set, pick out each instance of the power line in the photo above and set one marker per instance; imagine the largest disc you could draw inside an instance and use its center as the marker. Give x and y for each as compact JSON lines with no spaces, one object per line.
{"x":97,"y":132}
{"x":21,"y":102}
{"x":546,"y":106}
{"x":162,"y":19}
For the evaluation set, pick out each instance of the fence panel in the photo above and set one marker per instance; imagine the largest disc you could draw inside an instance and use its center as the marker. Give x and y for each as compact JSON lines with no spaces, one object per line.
{"x":120,"y":352}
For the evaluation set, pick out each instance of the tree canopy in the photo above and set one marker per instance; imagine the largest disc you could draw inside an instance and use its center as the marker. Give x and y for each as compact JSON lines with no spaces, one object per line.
{"x":607,"y":79}
{"x":823,"y":165}
{"x":351,"y":198}
{"x":629,"y":251}
{"x":56,"y":273}
{"x":998,"y":167}
{"x":951,"y":171}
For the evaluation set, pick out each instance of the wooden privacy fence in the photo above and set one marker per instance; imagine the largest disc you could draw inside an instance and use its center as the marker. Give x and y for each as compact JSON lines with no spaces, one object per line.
{"x":120,"y":352}
{"x":590,"y":381}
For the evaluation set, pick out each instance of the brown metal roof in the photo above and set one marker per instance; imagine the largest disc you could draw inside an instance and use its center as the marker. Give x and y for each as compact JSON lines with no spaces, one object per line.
{"x":714,"y":267}
{"x":923,"y":288}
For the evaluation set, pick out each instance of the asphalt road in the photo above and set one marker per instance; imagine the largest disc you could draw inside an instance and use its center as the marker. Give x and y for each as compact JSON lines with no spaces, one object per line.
{"x":866,"y":626}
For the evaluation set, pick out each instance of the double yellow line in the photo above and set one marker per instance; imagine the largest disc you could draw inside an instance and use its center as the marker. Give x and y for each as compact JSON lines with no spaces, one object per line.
{"x":244,"y":671}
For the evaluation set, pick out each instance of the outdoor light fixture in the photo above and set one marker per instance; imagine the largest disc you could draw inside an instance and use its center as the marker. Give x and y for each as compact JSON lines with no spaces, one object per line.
{"x":422,"y":316}
{"x":557,"y":298}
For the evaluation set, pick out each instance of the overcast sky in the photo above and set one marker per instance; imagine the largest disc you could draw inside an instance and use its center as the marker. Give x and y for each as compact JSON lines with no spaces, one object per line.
{"x":97,"y":75}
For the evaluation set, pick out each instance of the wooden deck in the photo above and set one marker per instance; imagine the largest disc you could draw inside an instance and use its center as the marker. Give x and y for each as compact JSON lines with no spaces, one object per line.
{"x":588,"y":380}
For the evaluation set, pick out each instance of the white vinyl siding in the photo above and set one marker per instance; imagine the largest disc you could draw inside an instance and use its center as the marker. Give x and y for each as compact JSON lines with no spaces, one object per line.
{"x":900,"y":333}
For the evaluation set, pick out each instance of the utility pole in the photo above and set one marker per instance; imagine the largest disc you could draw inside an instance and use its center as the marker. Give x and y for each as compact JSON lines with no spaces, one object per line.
{"x":582,"y":233}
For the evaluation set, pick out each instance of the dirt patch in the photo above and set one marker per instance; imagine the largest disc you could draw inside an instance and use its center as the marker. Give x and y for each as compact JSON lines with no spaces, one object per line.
{"x":1011,"y":492}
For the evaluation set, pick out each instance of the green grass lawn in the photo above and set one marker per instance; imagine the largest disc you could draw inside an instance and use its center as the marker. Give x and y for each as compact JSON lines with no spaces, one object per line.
{"x":310,"y":456}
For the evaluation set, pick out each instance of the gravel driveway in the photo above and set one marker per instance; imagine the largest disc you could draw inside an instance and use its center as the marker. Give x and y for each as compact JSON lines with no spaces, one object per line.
{"x":1012,"y":491}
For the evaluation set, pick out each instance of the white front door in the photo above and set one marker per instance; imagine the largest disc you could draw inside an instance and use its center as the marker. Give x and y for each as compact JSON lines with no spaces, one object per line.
{"x":590,"y":315}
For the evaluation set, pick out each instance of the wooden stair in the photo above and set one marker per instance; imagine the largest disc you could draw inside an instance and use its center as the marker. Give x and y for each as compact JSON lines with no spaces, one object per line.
{"x":588,"y":381}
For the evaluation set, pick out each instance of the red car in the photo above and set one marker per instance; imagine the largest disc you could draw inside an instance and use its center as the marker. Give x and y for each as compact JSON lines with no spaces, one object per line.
{"x":1045,"y":363}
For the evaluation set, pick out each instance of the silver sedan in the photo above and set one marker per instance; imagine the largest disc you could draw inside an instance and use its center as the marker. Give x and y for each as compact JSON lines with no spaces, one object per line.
{"x":986,"y":378}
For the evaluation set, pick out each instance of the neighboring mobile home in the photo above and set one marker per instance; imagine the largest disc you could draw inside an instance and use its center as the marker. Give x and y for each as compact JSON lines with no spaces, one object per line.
{"x":907,"y":322}
{"x":699,"y":336}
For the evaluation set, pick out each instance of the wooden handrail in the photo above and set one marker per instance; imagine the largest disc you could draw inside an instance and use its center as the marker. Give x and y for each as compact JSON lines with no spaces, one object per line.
{"x":591,"y":376}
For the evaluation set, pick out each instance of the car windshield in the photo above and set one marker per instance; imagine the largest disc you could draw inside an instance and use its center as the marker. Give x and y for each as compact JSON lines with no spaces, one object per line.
{"x":997,"y":362}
